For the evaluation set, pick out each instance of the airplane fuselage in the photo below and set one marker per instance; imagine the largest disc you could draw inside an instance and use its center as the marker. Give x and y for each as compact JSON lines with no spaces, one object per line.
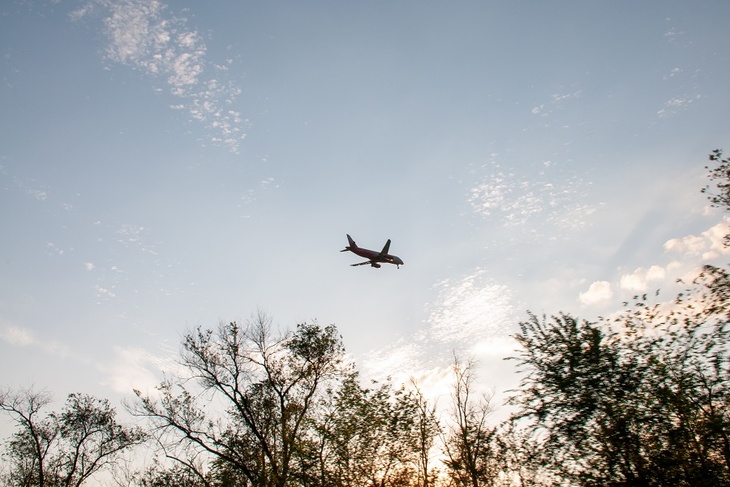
{"x":374,"y":258}
{"x":367,"y":253}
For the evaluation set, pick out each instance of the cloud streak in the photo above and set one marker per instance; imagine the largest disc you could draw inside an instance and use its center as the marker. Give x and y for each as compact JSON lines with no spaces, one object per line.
{"x":144,"y":35}
{"x":18,"y":336}
{"x":125,"y":369}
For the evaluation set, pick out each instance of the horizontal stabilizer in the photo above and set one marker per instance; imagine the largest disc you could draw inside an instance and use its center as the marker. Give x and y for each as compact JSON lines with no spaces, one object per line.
{"x":352,"y":244}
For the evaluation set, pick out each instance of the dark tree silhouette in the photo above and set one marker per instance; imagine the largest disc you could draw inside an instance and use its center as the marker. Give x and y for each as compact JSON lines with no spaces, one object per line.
{"x":719,"y":196}
{"x":642,"y":399}
{"x":244,"y":403}
{"x":471,"y":457}
{"x":64,"y":449}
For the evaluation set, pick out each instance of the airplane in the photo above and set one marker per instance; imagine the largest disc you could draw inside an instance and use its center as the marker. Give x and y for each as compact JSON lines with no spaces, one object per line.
{"x":374,"y":257}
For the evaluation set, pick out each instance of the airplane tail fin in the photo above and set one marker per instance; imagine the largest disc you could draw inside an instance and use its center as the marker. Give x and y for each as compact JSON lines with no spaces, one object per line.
{"x":352,"y":244}
{"x":386,"y":248}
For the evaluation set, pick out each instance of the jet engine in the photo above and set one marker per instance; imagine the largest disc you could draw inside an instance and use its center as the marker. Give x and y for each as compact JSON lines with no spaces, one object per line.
{"x":375,"y":264}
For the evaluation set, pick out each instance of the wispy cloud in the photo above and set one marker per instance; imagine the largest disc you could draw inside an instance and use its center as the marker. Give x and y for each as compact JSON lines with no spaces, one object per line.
{"x":472,"y":315}
{"x":16,"y":336}
{"x":517,"y":200}
{"x":19,"y":336}
{"x":126,"y":368}
{"x":468,"y":309}
{"x":555,"y":101}
{"x":146,"y":36}
{"x":136,"y":368}
{"x":677,"y":104}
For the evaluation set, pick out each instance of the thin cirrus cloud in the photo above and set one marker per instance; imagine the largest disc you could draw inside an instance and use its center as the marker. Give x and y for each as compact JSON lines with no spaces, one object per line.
{"x":127,"y":368}
{"x":21,"y":337}
{"x":473,"y":313}
{"x":16,"y":336}
{"x":144,"y":35}
{"x":678,"y":104}
{"x":515,"y":201}
{"x":137,"y":368}
{"x":555,"y":102}
{"x":473,"y":307}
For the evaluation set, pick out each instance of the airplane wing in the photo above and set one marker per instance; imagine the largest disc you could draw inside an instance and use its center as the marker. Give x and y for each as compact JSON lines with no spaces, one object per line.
{"x":385,"y":248}
{"x":361,"y":263}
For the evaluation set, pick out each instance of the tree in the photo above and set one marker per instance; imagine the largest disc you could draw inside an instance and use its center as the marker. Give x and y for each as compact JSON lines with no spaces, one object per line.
{"x":641,"y":399}
{"x":244,"y":403}
{"x":524,"y":460}
{"x":29,"y":449}
{"x":426,"y":430}
{"x":64,"y":449}
{"x":471,"y":459}
{"x":575,"y":391}
{"x":158,"y":475}
{"x":368,"y":437}
{"x":720,"y":175}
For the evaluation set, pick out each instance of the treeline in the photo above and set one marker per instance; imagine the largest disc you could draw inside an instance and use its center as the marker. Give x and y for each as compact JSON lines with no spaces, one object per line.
{"x":638,"y":399}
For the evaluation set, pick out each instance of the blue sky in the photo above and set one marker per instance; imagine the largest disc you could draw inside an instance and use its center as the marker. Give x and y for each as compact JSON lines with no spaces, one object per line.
{"x":168,"y":165}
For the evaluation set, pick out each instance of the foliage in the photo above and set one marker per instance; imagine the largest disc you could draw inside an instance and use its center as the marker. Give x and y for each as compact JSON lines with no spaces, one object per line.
{"x":720,"y":175}
{"x":259,"y":410}
{"x":374,"y":436}
{"x":255,"y":394}
{"x":641,"y":399}
{"x":66,"y":448}
{"x":178,"y":475}
{"x":523,"y":460}
{"x":469,"y":444}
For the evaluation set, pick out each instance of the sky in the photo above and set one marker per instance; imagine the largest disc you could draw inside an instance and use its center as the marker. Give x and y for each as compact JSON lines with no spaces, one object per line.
{"x":171,"y":165}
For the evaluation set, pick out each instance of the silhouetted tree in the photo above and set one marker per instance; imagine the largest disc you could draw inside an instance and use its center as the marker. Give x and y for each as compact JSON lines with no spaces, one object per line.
{"x":720,"y":175}
{"x":471,"y":457}
{"x":29,"y":448}
{"x":369,"y":437}
{"x":245,"y":399}
{"x":63,"y":449}
{"x":641,"y":399}
{"x":426,"y":430}
{"x":523,"y":459}
{"x":159,"y":475}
